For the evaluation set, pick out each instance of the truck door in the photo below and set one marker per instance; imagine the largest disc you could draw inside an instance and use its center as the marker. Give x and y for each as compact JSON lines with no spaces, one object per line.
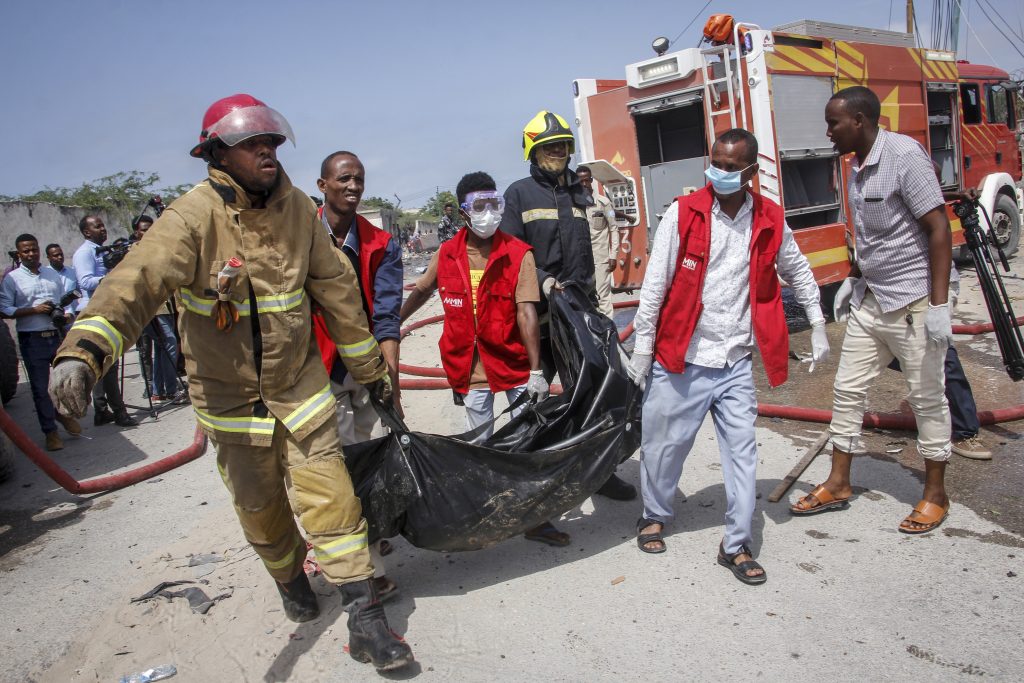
{"x":672,"y":147}
{"x":942,"y":138}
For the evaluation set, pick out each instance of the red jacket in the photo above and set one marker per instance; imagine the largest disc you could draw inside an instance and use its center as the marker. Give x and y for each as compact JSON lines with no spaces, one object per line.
{"x":495,"y":330}
{"x":372,"y":243}
{"x":682,"y":306}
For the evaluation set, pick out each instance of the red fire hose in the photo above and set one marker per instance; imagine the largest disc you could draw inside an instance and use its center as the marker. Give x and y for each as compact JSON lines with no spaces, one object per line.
{"x":899,"y":421}
{"x":100,"y":484}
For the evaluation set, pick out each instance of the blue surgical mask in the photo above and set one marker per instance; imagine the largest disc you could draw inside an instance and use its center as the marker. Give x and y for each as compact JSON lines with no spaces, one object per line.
{"x":725,"y":182}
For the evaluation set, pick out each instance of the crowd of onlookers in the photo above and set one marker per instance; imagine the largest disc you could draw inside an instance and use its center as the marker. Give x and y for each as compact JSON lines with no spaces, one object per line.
{"x":44,"y":301}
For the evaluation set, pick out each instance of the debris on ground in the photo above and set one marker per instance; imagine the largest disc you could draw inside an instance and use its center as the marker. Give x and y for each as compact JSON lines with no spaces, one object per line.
{"x":198,"y":600}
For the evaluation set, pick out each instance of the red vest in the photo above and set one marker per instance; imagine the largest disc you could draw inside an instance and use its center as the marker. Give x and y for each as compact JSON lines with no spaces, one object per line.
{"x":372,"y":243}
{"x":495,"y":331}
{"x":682,"y":306}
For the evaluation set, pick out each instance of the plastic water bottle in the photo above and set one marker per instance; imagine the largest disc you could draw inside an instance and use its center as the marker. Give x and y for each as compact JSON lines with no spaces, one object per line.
{"x":155,"y":674}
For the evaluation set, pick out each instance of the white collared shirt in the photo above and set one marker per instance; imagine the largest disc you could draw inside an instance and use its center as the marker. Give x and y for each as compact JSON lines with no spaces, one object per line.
{"x":22,"y":289}
{"x":724,"y":333}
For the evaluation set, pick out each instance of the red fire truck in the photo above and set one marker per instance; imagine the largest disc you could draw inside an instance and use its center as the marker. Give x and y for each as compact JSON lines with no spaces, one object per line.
{"x":651,"y":134}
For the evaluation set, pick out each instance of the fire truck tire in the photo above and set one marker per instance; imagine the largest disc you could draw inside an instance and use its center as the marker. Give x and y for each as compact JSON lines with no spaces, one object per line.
{"x":1006,"y":224}
{"x":8,"y":364}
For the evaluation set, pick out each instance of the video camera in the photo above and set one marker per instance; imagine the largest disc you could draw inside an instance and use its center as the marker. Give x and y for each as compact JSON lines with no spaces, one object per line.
{"x":1004,"y":323}
{"x":58,"y":315}
{"x":115,"y":252}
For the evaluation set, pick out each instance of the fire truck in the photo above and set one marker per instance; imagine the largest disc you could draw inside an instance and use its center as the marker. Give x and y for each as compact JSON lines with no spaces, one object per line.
{"x":651,"y":133}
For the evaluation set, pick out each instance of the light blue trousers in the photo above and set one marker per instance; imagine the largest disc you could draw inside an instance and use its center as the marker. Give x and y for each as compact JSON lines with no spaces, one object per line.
{"x":674,"y":408}
{"x":479,"y":405}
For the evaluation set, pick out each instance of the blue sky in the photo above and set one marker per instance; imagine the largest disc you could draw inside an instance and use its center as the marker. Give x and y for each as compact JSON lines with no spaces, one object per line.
{"x":423,"y":92}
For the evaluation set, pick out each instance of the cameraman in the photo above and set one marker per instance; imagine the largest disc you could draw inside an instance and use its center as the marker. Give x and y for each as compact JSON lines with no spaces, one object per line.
{"x":90,"y":269}
{"x":29,"y":294}
{"x":159,"y":342}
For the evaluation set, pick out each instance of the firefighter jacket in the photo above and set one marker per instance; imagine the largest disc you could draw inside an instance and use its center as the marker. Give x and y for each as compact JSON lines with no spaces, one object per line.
{"x":373,"y":243}
{"x":552,"y":219}
{"x":682,"y":306}
{"x":494,"y":330}
{"x":267,"y":367}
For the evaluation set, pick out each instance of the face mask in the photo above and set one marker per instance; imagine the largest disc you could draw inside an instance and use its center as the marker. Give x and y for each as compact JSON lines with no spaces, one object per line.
{"x":484,"y":224}
{"x":725,"y":182}
{"x":549,"y":163}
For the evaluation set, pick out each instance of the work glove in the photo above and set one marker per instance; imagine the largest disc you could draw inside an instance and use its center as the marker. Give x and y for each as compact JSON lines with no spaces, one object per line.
{"x":548,"y":284}
{"x":639,"y":367}
{"x":819,"y":345}
{"x":381,"y":389}
{"x":938,"y":328}
{"x":537,"y":387}
{"x":70,"y":387}
{"x":841,"y":306}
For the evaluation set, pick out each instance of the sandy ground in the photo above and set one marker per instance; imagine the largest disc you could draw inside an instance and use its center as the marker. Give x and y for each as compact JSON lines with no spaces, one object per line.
{"x":847,"y":596}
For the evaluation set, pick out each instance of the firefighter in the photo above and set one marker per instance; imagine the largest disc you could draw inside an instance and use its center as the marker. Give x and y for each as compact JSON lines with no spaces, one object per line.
{"x":547,"y":210}
{"x":244,"y":253}
{"x":487,"y":280}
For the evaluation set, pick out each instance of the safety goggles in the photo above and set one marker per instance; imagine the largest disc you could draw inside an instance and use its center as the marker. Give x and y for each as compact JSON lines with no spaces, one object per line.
{"x":478,"y":202}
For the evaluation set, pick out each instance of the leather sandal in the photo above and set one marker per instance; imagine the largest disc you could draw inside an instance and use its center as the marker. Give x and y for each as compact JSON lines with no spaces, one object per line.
{"x":547,"y":533}
{"x":643,"y":539}
{"x":820,"y":500}
{"x":926,"y":513}
{"x":740,"y":570}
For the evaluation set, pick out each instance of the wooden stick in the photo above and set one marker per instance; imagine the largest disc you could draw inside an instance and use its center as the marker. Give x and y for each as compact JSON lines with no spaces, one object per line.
{"x":798,"y":469}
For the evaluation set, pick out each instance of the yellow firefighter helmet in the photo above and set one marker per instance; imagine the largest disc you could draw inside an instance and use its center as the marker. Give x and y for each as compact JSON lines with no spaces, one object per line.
{"x":543,"y":128}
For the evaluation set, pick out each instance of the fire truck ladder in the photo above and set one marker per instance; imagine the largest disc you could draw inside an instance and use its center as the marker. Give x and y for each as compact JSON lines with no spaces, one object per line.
{"x":732,"y":62}
{"x":712,"y":94}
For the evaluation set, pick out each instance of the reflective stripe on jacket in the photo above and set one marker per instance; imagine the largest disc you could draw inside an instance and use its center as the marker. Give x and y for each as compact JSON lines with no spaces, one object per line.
{"x":682,"y":306}
{"x":552,"y":219}
{"x":287,"y":260}
{"x":495,"y":330}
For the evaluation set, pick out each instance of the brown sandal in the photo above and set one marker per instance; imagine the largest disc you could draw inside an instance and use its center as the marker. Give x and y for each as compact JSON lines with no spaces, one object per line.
{"x":819,"y":500}
{"x":928,"y":514}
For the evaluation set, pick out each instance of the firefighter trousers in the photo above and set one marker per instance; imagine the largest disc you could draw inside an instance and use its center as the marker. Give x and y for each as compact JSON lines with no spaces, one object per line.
{"x":309,"y":477}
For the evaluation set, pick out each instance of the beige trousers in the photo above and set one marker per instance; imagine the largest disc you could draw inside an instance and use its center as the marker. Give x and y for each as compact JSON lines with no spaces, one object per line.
{"x":873,"y":339}
{"x":312,"y":473}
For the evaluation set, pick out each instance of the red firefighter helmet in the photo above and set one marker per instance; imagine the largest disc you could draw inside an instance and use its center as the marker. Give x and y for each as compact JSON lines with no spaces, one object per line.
{"x":240,"y":117}
{"x":718,"y":29}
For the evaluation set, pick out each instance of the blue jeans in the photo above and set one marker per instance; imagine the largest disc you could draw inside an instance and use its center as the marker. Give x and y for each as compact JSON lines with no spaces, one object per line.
{"x":38,"y":353}
{"x":164,"y":381}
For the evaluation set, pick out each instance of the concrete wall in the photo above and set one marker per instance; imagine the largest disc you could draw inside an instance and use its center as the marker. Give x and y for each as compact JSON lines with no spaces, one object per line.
{"x":428,"y":234}
{"x":49,"y":223}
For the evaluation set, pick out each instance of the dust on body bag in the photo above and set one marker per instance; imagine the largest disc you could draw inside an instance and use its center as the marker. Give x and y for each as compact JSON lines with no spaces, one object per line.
{"x":454,"y":493}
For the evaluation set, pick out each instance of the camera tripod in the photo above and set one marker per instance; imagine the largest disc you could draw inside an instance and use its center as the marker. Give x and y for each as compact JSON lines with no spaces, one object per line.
{"x":981,"y":244}
{"x":146,"y":369}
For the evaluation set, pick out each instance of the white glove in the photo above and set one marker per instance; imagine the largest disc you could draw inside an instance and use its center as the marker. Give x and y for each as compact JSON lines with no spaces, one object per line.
{"x":548,"y":284}
{"x":70,"y":386}
{"x":819,"y":345}
{"x":937,"y":326}
{"x":537,"y":387}
{"x":841,"y":306}
{"x":639,"y":367}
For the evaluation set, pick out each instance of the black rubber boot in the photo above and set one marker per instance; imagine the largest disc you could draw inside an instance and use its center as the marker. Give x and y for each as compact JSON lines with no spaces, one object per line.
{"x":616,"y":489}
{"x":299,"y":599}
{"x":370,"y":639}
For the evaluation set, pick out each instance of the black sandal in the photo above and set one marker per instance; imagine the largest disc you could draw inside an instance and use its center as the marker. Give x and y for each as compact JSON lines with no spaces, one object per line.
{"x":740,"y":570}
{"x":643,"y":539}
